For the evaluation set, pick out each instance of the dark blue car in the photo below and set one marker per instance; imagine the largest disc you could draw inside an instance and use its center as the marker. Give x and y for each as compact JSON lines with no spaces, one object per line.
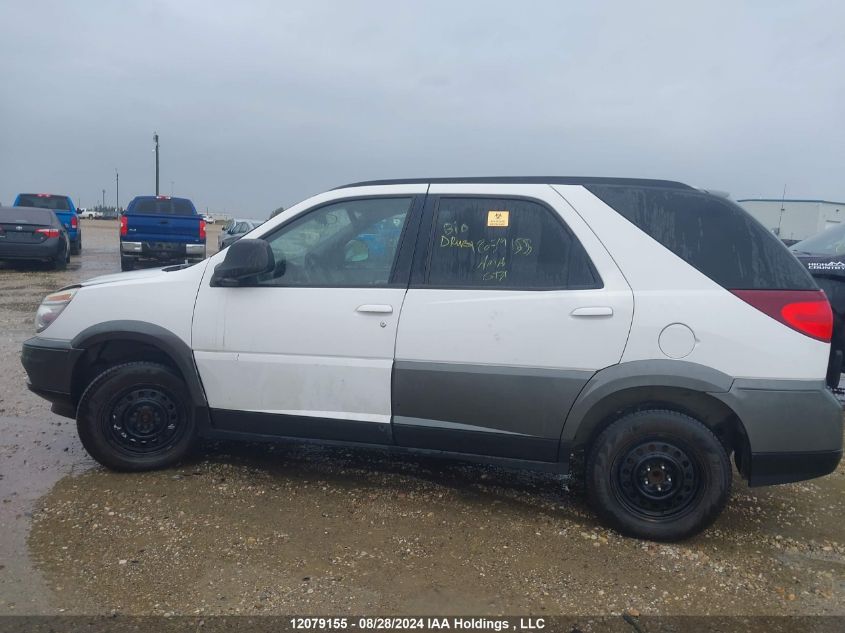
{"x":64,"y":209}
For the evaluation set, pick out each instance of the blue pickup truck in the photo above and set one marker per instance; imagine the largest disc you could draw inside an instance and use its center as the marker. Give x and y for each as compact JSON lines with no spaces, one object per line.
{"x":161,"y":230}
{"x":63,"y":207}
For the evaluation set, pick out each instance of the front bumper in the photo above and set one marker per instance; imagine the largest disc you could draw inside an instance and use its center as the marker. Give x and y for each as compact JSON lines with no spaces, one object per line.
{"x":793,"y":428}
{"x":49,"y":366}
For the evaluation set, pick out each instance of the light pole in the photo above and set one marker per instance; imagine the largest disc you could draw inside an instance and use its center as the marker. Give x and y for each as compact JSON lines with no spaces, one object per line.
{"x":171,"y":188}
{"x":116,"y":190}
{"x":104,"y":198}
{"x":155,"y":138}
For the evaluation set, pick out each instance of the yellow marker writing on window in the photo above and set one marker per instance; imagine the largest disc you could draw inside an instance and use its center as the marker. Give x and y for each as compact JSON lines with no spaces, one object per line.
{"x":497,"y":218}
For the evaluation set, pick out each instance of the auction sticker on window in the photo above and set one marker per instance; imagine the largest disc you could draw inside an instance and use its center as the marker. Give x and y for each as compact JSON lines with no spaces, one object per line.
{"x":497,"y":218}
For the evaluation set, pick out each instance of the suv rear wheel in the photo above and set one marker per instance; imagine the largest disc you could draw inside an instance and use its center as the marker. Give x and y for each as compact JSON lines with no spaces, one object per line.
{"x":659,"y":475}
{"x":136,"y":416}
{"x":127,"y":263}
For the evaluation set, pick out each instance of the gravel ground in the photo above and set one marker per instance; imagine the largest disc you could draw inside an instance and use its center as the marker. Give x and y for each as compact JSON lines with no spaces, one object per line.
{"x":293,"y":529}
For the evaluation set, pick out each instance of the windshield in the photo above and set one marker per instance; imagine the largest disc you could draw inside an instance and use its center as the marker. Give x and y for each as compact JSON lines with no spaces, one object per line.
{"x":829,"y":242}
{"x":43,"y":201}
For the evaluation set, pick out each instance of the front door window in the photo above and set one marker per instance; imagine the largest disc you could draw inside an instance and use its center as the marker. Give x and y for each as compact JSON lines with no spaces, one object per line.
{"x":345,"y":244}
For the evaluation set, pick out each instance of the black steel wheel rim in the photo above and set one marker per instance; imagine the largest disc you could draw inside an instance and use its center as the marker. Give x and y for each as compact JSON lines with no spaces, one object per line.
{"x":657,"y":479}
{"x":145,"y":420}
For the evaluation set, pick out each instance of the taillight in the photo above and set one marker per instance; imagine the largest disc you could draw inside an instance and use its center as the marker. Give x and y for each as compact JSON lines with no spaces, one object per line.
{"x":74,"y":221}
{"x":124,"y":225}
{"x":48,"y":232}
{"x":806,"y":311}
{"x":202,"y":229}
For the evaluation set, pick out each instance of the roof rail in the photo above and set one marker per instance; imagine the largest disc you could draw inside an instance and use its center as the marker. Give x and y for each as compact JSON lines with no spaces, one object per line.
{"x":525,"y":180}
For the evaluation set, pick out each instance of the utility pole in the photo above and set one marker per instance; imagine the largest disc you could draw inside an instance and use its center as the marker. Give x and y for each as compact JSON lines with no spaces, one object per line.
{"x":155,"y":138}
{"x":116,"y":190}
{"x":104,"y":198}
{"x":782,"y":200}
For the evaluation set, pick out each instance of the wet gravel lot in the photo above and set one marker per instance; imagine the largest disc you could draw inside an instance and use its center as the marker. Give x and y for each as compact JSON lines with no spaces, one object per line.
{"x":298,"y":529}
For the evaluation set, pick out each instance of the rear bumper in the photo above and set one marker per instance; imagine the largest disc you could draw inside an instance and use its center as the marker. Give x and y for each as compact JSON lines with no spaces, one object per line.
{"x":49,"y":367}
{"x":793,"y":428}
{"x":781,"y":468}
{"x":48,"y":249}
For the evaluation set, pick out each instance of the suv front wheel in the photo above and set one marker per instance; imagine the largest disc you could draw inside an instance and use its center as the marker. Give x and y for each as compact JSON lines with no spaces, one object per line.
{"x":658,"y":475}
{"x":136,"y":416}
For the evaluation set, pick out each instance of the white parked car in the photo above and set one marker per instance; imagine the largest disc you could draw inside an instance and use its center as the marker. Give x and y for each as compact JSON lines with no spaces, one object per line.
{"x":632,"y":332}
{"x":90,"y":214}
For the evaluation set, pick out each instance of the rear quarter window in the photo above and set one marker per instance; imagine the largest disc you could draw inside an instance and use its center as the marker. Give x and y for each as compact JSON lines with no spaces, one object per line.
{"x":712,"y":234}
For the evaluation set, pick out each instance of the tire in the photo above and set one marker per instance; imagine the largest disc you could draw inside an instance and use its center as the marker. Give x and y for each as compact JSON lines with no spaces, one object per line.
{"x":635,"y":467}
{"x":135,"y":417}
{"x":60,"y":261}
{"x":127,"y":263}
{"x":76,"y":246}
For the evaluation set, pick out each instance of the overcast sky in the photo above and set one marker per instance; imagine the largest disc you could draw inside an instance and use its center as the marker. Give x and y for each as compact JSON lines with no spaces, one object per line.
{"x":261,"y":104}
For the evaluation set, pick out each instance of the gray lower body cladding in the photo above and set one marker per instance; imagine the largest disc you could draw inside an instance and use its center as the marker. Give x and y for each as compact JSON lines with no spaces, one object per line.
{"x":794,"y":428}
{"x":504,"y":411}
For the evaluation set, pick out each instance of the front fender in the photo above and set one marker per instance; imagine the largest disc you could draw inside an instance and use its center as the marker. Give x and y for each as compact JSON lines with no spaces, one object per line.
{"x":149,"y":334}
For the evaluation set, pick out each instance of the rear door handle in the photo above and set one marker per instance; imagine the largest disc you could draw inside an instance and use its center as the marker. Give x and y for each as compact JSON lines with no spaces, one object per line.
{"x":375,"y":308}
{"x":592,"y":311}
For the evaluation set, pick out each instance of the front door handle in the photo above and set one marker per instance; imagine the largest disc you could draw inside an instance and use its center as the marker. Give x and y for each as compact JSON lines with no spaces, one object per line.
{"x":375,"y":309}
{"x":592,"y":311}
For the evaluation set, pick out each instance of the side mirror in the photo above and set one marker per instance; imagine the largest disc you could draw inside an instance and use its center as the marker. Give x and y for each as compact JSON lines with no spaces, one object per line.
{"x":244,"y":259}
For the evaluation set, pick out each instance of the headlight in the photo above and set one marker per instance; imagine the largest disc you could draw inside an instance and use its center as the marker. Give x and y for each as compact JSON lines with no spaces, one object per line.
{"x":52,"y":307}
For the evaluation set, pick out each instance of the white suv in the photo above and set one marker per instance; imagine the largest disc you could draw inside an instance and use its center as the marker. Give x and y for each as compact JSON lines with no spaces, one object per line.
{"x":634,"y":332}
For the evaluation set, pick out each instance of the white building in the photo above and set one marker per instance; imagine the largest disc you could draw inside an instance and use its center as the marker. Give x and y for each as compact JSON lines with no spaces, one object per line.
{"x":795,"y":219}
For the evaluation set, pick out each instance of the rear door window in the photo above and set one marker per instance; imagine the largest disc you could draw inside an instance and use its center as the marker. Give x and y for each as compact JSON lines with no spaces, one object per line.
{"x":504,"y":244}
{"x":712,"y":234}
